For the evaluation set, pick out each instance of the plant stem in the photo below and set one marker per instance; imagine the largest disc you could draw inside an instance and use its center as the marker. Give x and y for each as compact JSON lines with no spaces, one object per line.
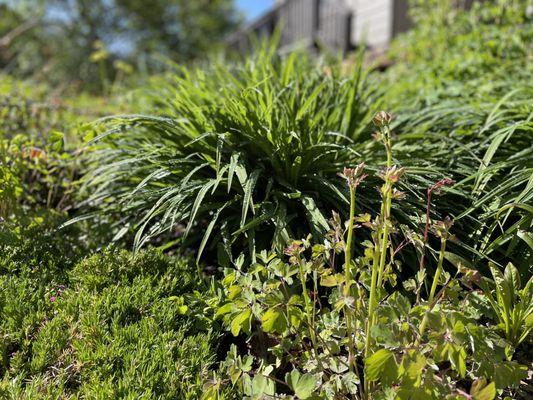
{"x":372,"y":301}
{"x":348,"y":279}
{"x":380,"y":248}
{"x":425,"y":240}
{"x":307,"y":303}
{"x":348,"y":247}
{"x":388,"y":146}
{"x":385,"y":236}
{"x":380,"y":252}
{"x":438,"y":272}
{"x":432,"y":305}
{"x":385,"y":210}
{"x":433,"y":286}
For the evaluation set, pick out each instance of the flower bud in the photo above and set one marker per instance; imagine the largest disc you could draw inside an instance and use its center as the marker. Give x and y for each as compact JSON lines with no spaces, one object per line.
{"x":392,"y":174}
{"x":382,"y":119}
{"x":294,"y":250}
{"x":354,"y":176}
{"x":397,"y":194}
{"x":440,"y":184}
{"x":442,"y":228}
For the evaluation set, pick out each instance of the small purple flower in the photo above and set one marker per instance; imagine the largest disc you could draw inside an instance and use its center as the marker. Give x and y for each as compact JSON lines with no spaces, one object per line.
{"x":52,"y":299}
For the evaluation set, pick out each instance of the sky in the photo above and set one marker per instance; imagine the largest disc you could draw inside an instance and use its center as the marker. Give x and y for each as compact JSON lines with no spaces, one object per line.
{"x":253,"y":8}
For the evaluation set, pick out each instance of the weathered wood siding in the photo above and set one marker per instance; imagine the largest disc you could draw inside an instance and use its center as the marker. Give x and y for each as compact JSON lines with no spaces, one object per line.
{"x":372,"y":21}
{"x":298,"y":20}
{"x":333,"y":24}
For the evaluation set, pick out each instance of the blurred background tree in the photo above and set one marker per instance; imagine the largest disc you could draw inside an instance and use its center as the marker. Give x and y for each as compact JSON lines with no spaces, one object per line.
{"x":87,"y":43}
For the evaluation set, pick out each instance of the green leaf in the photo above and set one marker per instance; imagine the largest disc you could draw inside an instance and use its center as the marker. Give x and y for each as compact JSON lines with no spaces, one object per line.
{"x":481,"y":391}
{"x":248,"y":189}
{"x":273,"y":320}
{"x":241,"y":321}
{"x":56,"y":140}
{"x":302,"y":385}
{"x":381,"y":366}
{"x":525,"y":207}
{"x":512,"y":277}
{"x":457,"y":356}
{"x":197,"y":203}
{"x":224,"y":309}
{"x":384,"y":335}
{"x":331,"y":280}
{"x":208,"y":231}
{"x":318,"y":223}
{"x":261,"y":386}
{"x":309,"y":100}
{"x":413,"y":364}
{"x":502,"y":289}
{"x":234,"y":291}
{"x":508,"y":374}
{"x":526,"y":237}
{"x":296,"y":316}
{"x":232,"y":166}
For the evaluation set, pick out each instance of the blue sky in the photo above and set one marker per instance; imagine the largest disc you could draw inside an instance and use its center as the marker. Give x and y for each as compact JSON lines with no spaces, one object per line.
{"x":253,"y":8}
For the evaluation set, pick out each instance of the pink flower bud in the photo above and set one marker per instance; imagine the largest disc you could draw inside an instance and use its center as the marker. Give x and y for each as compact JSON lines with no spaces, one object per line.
{"x":382,"y":119}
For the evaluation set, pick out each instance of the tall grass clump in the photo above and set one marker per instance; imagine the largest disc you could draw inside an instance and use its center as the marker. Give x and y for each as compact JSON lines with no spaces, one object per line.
{"x":234,"y":155}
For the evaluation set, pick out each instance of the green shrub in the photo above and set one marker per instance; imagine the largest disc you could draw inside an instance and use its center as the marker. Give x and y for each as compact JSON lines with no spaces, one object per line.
{"x":234,"y":155}
{"x":117,"y":325}
{"x":34,"y":175}
{"x":36,"y":169}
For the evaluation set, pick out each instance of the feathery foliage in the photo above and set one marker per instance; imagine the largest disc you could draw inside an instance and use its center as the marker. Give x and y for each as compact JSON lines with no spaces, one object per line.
{"x":114,"y":325}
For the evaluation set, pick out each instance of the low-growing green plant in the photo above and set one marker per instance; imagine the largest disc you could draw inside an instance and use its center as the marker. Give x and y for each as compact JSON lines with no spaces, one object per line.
{"x":512,"y":304}
{"x":114,"y":325}
{"x":319,"y":328}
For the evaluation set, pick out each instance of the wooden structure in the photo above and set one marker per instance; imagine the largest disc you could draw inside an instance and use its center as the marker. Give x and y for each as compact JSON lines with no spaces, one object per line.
{"x":337,"y":25}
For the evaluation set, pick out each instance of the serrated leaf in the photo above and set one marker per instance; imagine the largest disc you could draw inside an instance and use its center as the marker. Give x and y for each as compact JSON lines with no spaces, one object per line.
{"x":413,"y":364}
{"x":56,"y":139}
{"x":261,"y":386}
{"x":331,"y":280}
{"x":384,"y":335}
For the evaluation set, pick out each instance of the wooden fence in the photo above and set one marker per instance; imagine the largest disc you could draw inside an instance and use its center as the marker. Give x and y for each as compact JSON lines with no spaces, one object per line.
{"x":303,"y":23}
